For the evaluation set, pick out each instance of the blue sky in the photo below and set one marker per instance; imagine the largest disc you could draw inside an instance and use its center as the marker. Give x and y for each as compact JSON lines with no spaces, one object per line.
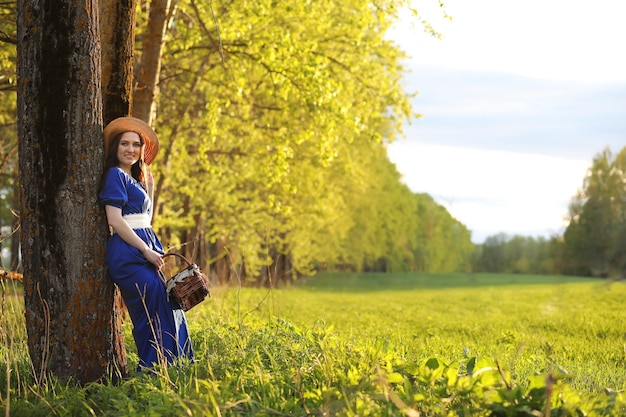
{"x":517,"y":98}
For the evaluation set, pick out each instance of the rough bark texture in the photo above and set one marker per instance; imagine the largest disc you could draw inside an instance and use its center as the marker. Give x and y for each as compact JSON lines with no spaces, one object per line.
{"x":149,"y":68}
{"x":68,"y":297}
{"x":117,"y":32}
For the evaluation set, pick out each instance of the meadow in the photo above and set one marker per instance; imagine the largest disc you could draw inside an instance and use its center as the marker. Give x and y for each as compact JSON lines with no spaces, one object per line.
{"x":368,"y":344}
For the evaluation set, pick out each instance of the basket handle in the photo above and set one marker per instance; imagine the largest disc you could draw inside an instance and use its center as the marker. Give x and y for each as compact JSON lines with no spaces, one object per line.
{"x":178,"y":255}
{"x":162,"y":275}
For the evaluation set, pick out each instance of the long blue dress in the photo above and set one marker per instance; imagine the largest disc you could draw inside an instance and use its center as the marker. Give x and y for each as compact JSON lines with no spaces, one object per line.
{"x":159,"y":325}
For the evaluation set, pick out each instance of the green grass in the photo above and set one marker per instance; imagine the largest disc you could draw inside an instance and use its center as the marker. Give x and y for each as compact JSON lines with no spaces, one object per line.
{"x":370,"y":344}
{"x":529,"y":323}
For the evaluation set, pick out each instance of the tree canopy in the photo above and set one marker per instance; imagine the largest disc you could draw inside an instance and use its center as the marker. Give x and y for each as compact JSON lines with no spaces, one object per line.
{"x":273,"y":119}
{"x":276,"y":146}
{"x":595,"y":240}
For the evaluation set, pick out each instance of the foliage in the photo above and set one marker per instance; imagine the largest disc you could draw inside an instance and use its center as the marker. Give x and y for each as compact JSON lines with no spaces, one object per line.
{"x":502,"y":253}
{"x":7,"y":50}
{"x":594,"y":238}
{"x":254,"y":363}
{"x":443,"y":243}
{"x":279,"y":139}
{"x":8,"y":136}
{"x":277,"y":146}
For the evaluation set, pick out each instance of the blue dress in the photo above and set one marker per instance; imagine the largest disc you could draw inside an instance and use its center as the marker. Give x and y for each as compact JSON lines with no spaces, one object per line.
{"x":159,"y":325}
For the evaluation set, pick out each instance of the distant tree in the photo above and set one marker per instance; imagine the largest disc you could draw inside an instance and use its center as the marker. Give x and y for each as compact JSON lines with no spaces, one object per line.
{"x":517,"y":254}
{"x":493,"y":254}
{"x":382,"y":228}
{"x":555,"y":263}
{"x":617,"y":251}
{"x":443,"y":243}
{"x":595,"y":236}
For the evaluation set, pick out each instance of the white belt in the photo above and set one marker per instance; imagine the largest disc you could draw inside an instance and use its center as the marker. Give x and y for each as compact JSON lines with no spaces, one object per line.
{"x":138,"y":221}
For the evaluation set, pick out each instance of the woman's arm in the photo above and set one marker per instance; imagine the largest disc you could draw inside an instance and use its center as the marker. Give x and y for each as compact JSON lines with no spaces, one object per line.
{"x":150,"y":184}
{"x":119,"y":225}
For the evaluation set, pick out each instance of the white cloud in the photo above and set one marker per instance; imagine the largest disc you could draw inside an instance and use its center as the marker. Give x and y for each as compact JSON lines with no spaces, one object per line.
{"x":511,"y":113}
{"x":550,"y":39}
{"x":492,"y":191}
{"x":517,"y":99}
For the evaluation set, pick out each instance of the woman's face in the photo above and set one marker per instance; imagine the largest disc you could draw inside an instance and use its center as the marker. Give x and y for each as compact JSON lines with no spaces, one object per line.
{"x":129,"y":150}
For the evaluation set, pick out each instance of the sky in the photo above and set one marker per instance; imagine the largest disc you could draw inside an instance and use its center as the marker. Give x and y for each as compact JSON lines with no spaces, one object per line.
{"x":516,"y":99}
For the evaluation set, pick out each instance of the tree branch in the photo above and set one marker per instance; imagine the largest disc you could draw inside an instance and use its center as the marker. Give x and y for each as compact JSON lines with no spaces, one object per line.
{"x":16,"y":276}
{"x":6,"y":38}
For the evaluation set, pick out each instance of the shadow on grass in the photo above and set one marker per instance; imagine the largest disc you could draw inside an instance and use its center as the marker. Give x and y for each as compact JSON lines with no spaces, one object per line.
{"x":373,"y":281}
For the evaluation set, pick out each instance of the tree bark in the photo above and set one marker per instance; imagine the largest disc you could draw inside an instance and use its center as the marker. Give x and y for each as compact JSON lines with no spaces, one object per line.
{"x":68,"y":297}
{"x":117,"y":34}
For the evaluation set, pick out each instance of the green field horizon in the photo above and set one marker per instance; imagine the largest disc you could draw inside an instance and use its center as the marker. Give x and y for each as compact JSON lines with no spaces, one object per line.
{"x":531,"y":323}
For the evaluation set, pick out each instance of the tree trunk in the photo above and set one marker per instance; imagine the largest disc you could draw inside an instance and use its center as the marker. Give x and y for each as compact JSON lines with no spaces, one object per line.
{"x":222,"y":265}
{"x":117,"y":34}
{"x":68,"y":297}
{"x":160,"y":14}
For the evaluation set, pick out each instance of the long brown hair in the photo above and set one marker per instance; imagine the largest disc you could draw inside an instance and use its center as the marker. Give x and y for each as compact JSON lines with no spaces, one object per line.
{"x":137,"y":170}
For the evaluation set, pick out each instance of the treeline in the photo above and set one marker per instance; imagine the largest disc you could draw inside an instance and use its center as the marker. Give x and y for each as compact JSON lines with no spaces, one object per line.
{"x":275,"y":135}
{"x":503,"y":253}
{"x":594,"y":242}
{"x":273,"y":119}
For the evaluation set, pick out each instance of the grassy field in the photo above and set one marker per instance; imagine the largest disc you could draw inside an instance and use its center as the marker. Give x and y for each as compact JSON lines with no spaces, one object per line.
{"x":373,"y":344}
{"x":529,"y":323}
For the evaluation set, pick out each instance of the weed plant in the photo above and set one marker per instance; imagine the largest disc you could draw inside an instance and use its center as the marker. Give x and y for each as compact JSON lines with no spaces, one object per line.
{"x":350,"y":345}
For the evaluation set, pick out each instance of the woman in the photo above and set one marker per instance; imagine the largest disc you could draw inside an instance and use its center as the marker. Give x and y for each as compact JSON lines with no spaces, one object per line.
{"x":134,"y":253}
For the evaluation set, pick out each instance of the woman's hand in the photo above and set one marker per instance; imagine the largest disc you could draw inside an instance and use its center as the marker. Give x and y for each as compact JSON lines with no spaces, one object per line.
{"x":153,"y":257}
{"x":119,"y":225}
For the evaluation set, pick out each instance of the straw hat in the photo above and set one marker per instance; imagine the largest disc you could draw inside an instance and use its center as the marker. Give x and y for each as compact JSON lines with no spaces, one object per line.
{"x":132,"y":124}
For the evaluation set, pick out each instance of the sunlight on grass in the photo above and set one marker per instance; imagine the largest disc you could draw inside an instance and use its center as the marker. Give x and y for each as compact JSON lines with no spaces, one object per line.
{"x":348,"y":345}
{"x":531,"y":326}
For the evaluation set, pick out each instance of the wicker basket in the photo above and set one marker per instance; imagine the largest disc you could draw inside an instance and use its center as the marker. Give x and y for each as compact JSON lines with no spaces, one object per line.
{"x":189,"y":287}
